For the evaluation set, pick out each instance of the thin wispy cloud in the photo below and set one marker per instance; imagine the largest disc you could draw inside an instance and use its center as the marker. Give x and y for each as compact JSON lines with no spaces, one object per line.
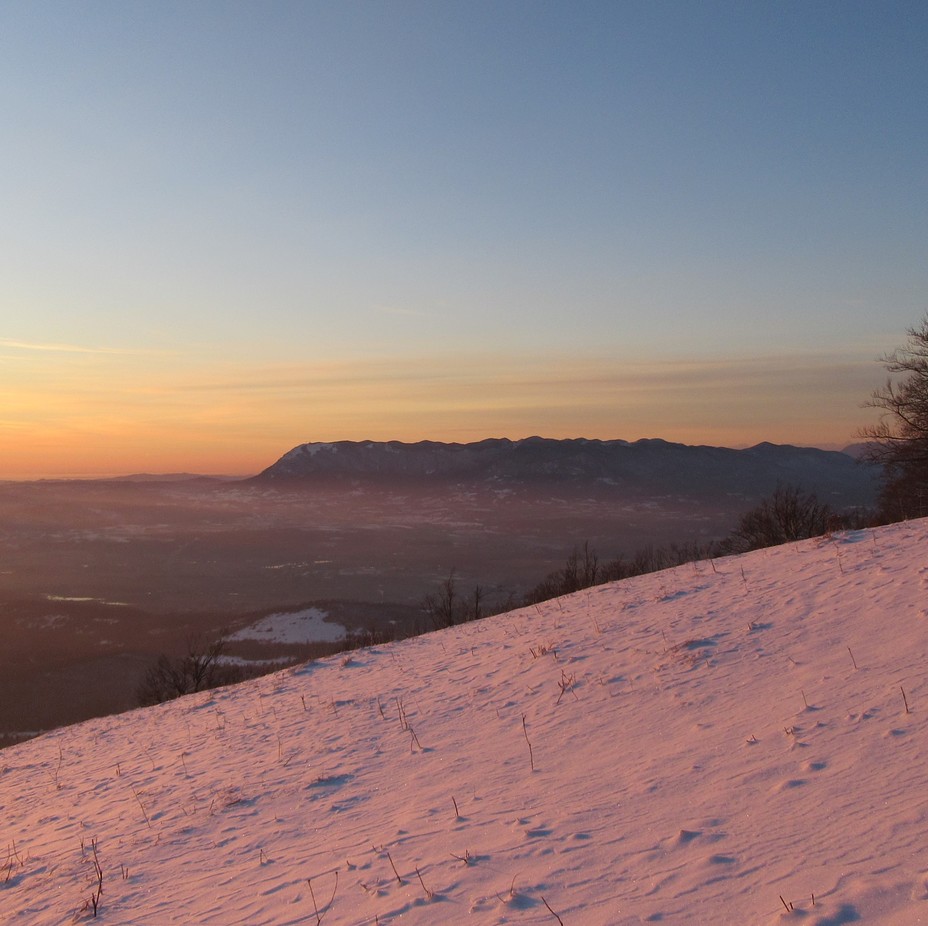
{"x":240,"y":416}
{"x":12,"y":344}
{"x":511,"y":371}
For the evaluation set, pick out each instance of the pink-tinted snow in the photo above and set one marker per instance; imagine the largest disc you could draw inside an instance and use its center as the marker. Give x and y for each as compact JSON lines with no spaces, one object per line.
{"x":704,"y":748}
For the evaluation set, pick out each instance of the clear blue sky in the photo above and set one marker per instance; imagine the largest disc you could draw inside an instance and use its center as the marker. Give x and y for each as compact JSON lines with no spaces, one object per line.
{"x":233,"y":227}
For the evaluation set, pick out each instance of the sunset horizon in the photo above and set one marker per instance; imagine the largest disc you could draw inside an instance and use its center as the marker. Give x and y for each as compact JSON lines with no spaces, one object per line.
{"x":234,"y":227}
{"x":233,"y":474}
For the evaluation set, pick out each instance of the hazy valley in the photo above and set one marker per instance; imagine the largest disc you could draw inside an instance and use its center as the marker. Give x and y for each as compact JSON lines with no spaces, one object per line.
{"x":98,"y":577}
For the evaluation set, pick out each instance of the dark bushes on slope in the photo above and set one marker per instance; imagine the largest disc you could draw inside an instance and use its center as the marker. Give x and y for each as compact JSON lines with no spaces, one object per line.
{"x":198,"y":669}
{"x":789,"y":514}
{"x":583,"y":568}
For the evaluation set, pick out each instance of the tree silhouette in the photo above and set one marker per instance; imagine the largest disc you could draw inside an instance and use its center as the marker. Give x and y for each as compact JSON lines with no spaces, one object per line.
{"x":900,"y":440}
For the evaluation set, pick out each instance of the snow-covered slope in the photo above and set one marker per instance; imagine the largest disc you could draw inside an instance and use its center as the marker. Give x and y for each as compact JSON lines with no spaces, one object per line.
{"x":712,"y":744}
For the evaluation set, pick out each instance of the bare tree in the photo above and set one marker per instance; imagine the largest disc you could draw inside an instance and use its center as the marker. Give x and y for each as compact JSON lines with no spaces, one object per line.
{"x":476,"y":603}
{"x":789,"y":514}
{"x":448,"y":607}
{"x":581,"y":570}
{"x":442,"y":608}
{"x":900,"y":439}
{"x":197,"y":670}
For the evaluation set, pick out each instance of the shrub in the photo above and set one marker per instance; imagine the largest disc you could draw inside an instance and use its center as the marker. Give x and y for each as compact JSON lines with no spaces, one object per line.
{"x":198,"y":669}
{"x":789,"y":514}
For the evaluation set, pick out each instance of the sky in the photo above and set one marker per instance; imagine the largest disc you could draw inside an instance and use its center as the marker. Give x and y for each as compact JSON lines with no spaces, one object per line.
{"x":231,"y":228}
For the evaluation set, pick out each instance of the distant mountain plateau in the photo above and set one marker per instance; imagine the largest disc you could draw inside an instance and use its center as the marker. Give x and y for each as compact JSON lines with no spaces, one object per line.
{"x":650,"y":467}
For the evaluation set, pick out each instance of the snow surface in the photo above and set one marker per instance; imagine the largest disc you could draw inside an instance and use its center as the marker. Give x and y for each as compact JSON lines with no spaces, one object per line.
{"x":306,"y":626}
{"x":693,"y":746}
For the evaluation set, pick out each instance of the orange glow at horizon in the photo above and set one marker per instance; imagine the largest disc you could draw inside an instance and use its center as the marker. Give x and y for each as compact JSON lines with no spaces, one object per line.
{"x":85,"y":415}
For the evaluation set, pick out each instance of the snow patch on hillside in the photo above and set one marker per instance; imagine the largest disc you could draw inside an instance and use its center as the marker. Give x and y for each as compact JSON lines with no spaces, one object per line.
{"x":307,"y":626}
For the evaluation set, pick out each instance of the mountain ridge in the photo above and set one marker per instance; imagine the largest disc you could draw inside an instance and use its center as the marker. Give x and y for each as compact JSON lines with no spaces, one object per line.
{"x":650,"y":464}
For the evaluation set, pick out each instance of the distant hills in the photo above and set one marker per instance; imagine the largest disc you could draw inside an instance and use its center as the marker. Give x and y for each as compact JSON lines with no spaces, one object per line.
{"x":653,"y":467}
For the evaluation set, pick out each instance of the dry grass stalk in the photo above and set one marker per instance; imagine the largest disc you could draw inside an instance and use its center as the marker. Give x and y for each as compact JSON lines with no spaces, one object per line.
{"x":545,"y":902}
{"x":566,"y":684}
{"x":399,"y":880}
{"x":98,"y":871}
{"x":428,"y":893}
{"x":13,"y":856}
{"x":328,"y":906}
{"x":144,"y":812}
{"x":512,"y":889}
{"x":531,"y":755}
{"x":58,"y":767}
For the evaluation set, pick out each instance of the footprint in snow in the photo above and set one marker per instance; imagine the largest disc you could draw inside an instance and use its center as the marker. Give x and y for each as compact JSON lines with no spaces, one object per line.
{"x":789,"y":785}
